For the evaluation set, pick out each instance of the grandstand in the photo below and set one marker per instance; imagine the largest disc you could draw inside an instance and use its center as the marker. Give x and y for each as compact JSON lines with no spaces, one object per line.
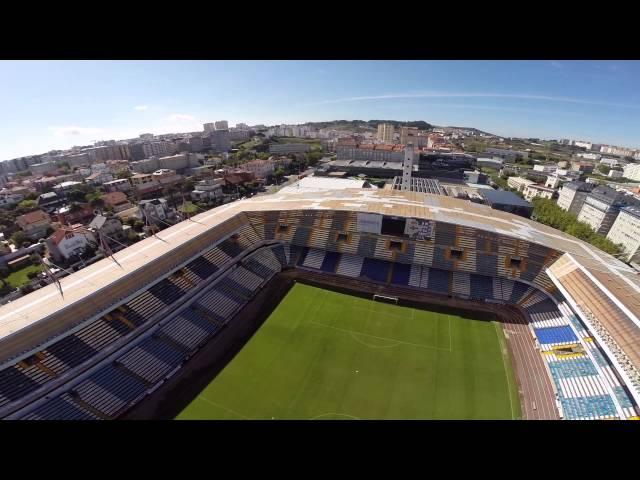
{"x":121,"y":329}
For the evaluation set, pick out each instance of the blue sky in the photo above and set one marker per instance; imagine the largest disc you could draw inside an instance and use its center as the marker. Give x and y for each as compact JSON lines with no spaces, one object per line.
{"x":56,"y":104}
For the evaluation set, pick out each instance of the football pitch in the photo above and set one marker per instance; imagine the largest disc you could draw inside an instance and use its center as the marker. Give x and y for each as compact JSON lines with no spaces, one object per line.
{"x":327,"y":355}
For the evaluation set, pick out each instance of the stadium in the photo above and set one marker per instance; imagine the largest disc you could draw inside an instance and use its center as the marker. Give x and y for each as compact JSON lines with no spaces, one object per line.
{"x":332,"y":304}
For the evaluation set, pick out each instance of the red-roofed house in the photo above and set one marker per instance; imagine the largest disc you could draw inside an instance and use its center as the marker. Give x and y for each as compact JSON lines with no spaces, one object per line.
{"x":34,"y":224}
{"x":69,"y":241}
{"x":118,"y":201}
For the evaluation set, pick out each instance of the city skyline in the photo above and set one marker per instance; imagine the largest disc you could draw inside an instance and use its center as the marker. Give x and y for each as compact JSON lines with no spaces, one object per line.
{"x":59,"y":104}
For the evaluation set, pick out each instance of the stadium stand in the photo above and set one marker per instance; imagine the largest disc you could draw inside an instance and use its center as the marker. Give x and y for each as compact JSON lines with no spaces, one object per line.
{"x":111,"y":353}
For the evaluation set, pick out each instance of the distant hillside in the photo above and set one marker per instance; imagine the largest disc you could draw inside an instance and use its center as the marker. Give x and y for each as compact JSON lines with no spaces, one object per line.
{"x":368,"y":124}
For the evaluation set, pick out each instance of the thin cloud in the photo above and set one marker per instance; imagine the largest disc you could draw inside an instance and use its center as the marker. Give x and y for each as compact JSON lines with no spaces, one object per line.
{"x":556,"y":64}
{"x":67,"y":131}
{"x":140,"y":107}
{"x":181,"y":117}
{"x":519,"y":96}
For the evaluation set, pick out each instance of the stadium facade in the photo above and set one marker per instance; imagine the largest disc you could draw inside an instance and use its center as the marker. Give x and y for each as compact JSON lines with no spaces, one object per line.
{"x":125,"y":325}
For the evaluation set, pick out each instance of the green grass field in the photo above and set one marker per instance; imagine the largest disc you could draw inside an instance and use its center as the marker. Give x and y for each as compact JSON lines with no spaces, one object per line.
{"x":326,"y":355}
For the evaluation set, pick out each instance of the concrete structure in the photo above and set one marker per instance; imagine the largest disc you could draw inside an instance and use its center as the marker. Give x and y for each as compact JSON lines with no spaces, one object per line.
{"x":519,"y":183}
{"x":140,"y":151}
{"x":321,"y":184}
{"x":99,"y":178}
{"x":545,"y":168}
{"x":407,"y":167}
{"x":632,"y":171}
{"x":615,"y":174}
{"x":43,"y":168}
{"x":118,"y":185}
{"x":582,"y":167}
{"x":49,"y":201}
{"x":572,"y":196}
{"x":386,"y":132}
{"x":408,"y":135}
{"x":506,"y":202}
{"x":220,"y":141}
{"x":34,"y":224}
{"x":553,"y":181}
{"x":208,"y":189}
{"x":509,"y":155}
{"x":625,"y":231}
{"x":601,"y":207}
{"x":370,"y":152}
{"x":489,"y":163}
{"x":222,"y":125}
{"x":538,"y":191}
{"x":156,"y":211}
{"x":209,"y":127}
{"x":284,"y":148}
{"x":260,"y":168}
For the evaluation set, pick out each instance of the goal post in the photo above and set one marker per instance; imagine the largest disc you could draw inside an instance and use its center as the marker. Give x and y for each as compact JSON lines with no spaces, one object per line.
{"x":385,"y":299}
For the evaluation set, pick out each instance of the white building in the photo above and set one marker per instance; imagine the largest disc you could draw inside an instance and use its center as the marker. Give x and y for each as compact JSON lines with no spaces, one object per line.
{"x":538,"y":191}
{"x":573,"y":195}
{"x":118,"y":185}
{"x":222,"y":125}
{"x":209,"y":127}
{"x":632,"y":171}
{"x":626,"y":232}
{"x":545,"y":168}
{"x":70,"y":241}
{"x":601,"y":207}
{"x":553,"y":181}
{"x":519,"y":183}
{"x":208,"y":189}
{"x":582,"y":144}
{"x":385,"y":132}
{"x":156,"y":210}
{"x":260,"y":168}
{"x":99,"y":178}
{"x":590,"y":156}
{"x":614,"y":174}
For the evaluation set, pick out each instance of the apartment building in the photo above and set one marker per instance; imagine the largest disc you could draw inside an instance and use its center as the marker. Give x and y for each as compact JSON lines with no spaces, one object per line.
{"x":602,"y":206}
{"x":626,"y":232}
{"x":538,"y":191}
{"x":632,"y":171}
{"x":519,"y":183}
{"x":573,"y":194}
{"x":386,"y":132}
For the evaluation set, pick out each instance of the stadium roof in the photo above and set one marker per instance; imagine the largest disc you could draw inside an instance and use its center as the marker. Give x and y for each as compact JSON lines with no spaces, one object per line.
{"x":622,"y":282}
{"x":503,"y":197}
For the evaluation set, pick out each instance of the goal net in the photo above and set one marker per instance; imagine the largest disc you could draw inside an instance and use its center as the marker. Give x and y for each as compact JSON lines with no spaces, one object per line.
{"x":385,"y":299}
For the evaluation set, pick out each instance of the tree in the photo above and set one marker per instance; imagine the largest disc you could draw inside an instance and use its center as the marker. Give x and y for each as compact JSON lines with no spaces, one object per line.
{"x":124,"y":174}
{"x":27,"y":206}
{"x":18,"y":238}
{"x":188,"y":208}
{"x":603,"y":168}
{"x":95,"y":199}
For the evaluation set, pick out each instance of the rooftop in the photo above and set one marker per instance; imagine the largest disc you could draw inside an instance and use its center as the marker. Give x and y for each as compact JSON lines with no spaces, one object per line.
{"x":503,"y":197}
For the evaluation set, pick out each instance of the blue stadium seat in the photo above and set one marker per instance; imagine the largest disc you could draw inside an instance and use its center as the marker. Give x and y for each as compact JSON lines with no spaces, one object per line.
{"x":376,"y":270}
{"x":401,"y":272}
{"x":439,"y":280}
{"x":330,"y":262}
{"x":553,"y":335}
